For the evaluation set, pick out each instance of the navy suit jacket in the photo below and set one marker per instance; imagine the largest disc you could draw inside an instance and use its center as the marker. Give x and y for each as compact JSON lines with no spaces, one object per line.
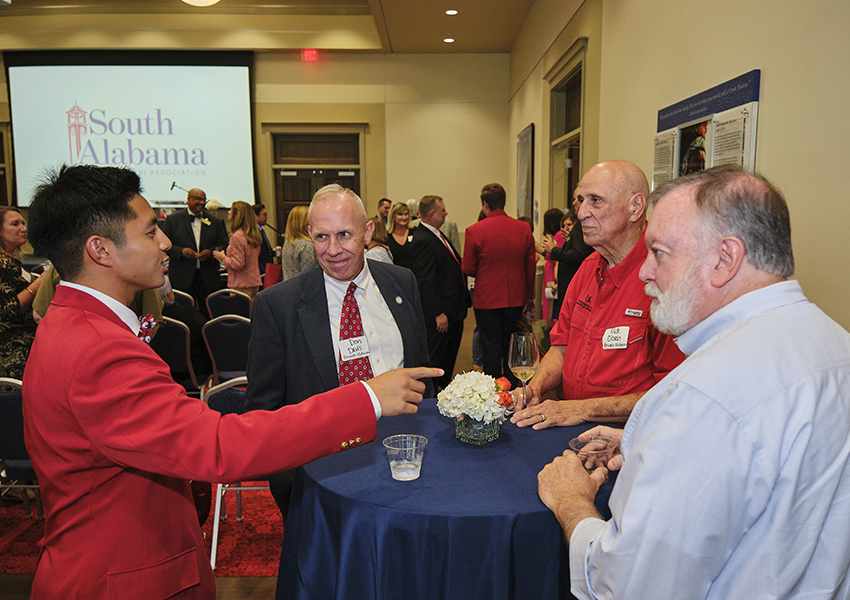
{"x":291,"y":355}
{"x":181,"y":270}
{"x":442,"y":284}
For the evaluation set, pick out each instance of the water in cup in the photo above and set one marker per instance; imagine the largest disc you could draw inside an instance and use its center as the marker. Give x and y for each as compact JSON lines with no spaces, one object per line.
{"x":403,"y":470}
{"x":405,"y":452}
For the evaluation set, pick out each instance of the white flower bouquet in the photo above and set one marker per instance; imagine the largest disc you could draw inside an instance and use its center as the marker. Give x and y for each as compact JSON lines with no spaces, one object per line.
{"x":477,"y":396}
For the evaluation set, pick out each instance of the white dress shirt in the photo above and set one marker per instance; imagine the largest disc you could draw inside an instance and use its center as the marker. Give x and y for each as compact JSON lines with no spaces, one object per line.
{"x":386,"y":349}
{"x":196,"y":230}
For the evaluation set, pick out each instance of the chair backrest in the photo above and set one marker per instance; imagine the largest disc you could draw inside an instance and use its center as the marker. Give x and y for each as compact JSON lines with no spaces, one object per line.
{"x":228,"y":397}
{"x":12,"y":421}
{"x":171,"y":342}
{"x":227,"y":340}
{"x":229,"y":302}
{"x":183,"y":299}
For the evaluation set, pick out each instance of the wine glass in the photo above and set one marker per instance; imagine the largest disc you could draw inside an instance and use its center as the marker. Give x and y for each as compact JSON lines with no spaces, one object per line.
{"x":523,"y":357}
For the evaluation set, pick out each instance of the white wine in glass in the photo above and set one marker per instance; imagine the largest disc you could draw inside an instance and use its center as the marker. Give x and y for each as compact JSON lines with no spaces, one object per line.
{"x":523,"y":357}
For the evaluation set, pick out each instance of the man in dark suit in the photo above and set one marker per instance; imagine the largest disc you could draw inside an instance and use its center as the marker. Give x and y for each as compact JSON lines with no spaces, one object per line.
{"x":295,"y":347}
{"x":442,"y":287}
{"x":194,"y":234}
{"x":499,"y":253}
{"x":266,"y":250}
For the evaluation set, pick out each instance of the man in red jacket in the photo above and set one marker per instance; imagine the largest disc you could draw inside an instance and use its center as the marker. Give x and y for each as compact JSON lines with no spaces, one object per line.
{"x":113,"y":439}
{"x":499,"y":253}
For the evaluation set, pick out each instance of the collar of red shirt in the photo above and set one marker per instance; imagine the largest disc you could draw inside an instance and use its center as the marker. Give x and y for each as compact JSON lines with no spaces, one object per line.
{"x":618,"y":273}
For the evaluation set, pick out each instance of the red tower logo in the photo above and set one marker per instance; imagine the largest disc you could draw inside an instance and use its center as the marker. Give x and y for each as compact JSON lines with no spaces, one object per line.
{"x":76,"y":129}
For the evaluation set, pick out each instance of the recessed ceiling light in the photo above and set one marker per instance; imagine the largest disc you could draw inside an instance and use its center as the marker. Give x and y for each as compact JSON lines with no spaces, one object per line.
{"x":448,"y":40}
{"x":451,"y":11}
{"x":201,"y":2}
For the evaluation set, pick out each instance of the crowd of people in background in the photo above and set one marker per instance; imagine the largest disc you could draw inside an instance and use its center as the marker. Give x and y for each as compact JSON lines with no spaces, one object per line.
{"x":626,"y":300}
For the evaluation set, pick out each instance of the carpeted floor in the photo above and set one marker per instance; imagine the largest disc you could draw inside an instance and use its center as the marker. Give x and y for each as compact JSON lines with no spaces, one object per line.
{"x":247,"y":549}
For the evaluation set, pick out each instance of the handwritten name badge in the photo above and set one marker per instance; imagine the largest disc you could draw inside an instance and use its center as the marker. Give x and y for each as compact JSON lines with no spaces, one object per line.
{"x":353,"y":348}
{"x":616,"y":338}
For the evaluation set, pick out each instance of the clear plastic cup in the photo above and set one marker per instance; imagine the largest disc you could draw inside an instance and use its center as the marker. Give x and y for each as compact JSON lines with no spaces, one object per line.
{"x":404,"y":453}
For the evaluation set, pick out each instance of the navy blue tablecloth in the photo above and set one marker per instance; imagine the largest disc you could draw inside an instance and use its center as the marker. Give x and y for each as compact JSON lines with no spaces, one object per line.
{"x":472,"y":526}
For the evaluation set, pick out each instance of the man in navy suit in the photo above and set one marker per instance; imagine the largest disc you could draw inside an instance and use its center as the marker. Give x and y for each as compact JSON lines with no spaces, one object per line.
{"x":194,"y":234}
{"x":442,"y":287}
{"x":295,"y":346}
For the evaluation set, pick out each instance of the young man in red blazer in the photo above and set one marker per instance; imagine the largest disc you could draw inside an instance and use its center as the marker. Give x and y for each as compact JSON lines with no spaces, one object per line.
{"x":113,"y":439}
{"x":499,"y":253}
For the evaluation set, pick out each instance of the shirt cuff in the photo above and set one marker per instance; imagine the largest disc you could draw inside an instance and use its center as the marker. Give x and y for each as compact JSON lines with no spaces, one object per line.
{"x":375,"y":404}
{"x":583,"y":535}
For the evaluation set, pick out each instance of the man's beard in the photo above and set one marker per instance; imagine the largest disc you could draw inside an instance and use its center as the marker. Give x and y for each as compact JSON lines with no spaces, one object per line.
{"x":672,"y":311}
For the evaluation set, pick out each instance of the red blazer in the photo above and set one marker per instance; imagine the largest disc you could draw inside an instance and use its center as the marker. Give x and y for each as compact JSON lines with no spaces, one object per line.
{"x":499,"y":252}
{"x":114,"y":442}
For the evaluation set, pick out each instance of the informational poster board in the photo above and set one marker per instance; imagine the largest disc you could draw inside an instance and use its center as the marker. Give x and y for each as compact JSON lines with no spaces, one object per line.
{"x":715,"y":127}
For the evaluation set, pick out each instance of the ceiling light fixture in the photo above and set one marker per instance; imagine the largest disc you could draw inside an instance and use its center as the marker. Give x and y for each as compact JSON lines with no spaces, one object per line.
{"x":451,"y":11}
{"x":448,"y":40}
{"x":201,"y":2}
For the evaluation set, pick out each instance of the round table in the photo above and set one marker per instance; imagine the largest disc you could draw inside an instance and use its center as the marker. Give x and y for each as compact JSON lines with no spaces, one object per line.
{"x":471,"y":526}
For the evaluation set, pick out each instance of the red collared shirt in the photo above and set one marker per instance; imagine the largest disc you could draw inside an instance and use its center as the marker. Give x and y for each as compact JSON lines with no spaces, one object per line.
{"x":612,"y":347}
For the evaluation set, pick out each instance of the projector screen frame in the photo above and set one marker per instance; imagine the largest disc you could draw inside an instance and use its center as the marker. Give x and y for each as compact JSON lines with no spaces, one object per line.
{"x":96,"y":58}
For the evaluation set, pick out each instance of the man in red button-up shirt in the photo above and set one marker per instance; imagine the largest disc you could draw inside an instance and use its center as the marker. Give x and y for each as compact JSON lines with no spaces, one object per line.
{"x":604,"y":348}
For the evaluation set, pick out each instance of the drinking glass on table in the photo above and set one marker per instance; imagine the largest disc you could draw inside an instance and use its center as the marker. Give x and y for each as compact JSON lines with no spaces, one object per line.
{"x":523,"y":357}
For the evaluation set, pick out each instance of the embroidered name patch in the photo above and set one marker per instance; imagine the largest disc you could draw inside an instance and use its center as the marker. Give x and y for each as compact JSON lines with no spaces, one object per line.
{"x":616,"y":338}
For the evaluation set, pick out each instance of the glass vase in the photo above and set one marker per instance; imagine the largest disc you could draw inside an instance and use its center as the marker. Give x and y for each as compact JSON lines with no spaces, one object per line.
{"x":473,"y":431}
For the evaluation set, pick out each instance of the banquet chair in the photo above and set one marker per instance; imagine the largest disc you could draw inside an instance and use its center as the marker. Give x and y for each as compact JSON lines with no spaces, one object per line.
{"x":229,"y":302}
{"x":227,"y":398}
{"x":172,"y":343}
{"x":226,"y":338}
{"x":183,"y":299}
{"x":18,"y":466}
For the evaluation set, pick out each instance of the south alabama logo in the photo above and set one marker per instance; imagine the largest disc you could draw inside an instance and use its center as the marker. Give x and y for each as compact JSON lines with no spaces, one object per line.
{"x":95,"y":138}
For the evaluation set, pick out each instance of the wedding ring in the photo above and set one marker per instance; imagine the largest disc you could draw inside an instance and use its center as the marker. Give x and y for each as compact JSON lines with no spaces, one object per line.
{"x":542,"y":417}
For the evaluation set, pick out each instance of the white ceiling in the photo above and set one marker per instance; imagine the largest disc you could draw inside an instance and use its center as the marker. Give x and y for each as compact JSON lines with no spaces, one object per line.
{"x":391,"y":26}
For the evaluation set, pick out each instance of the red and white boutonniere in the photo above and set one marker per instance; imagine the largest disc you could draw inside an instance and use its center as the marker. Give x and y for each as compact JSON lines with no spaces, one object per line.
{"x":146,"y":325}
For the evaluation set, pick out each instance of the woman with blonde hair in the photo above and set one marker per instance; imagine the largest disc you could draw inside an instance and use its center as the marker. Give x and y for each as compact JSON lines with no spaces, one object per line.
{"x":377,"y":248}
{"x":398,"y":226}
{"x":297,"y":252}
{"x":241,"y":257}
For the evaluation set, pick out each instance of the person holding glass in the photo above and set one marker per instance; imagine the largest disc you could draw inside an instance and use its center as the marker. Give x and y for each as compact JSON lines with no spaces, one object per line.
{"x":18,"y":288}
{"x":242,"y":256}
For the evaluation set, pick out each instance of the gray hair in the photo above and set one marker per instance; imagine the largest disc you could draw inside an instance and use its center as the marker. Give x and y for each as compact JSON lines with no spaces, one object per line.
{"x":334,"y":190}
{"x":732,"y":202}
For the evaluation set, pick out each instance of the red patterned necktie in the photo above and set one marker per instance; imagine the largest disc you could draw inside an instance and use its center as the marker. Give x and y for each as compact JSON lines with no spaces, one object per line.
{"x":358,"y":367}
{"x":448,"y":247}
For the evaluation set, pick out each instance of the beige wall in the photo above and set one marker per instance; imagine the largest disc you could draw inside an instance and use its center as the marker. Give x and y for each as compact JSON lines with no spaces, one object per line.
{"x":650,"y":61}
{"x":435,"y":124}
{"x":654,"y":53}
{"x":530,"y":90}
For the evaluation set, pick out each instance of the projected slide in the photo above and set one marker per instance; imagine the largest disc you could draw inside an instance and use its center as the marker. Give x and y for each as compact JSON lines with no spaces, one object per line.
{"x":183,"y":125}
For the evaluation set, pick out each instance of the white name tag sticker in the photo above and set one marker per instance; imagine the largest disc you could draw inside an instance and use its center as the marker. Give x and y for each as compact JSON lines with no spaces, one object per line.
{"x":634,"y":312}
{"x":615,"y":338}
{"x":353,"y":348}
